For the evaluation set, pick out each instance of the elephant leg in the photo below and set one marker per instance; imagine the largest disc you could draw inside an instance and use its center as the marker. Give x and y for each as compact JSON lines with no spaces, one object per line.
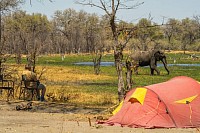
{"x":154,"y":68}
{"x":158,"y":72}
{"x":152,"y":71}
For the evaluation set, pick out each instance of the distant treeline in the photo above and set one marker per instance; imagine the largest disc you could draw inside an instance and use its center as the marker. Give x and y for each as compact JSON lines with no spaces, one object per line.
{"x":70,"y":31}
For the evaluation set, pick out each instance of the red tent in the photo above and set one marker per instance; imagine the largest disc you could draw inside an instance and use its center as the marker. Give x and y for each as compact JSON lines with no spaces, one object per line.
{"x":175,"y":103}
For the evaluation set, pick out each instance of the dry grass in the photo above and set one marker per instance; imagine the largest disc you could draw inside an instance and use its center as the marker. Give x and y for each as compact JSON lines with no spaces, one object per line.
{"x":71,"y":75}
{"x":65,"y":84}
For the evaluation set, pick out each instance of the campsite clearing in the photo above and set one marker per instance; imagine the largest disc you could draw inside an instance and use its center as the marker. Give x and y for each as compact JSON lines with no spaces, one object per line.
{"x":44,"y":121}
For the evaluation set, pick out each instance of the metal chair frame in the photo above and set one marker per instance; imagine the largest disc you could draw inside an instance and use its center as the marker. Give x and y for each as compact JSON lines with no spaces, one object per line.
{"x":7,"y":84}
{"x":27,"y":85}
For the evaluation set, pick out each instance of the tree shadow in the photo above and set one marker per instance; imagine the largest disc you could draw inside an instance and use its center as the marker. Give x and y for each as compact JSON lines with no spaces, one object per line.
{"x":52,"y":107}
{"x":66,"y":108}
{"x":101,"y":84}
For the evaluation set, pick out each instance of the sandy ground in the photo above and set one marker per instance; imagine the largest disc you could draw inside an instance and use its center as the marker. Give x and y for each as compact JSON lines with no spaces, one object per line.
{"x":46,"y":117}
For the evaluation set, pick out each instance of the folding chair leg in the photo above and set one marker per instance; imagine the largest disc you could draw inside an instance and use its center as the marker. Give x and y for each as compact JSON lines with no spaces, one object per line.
{"x":10,"y":92}
{"x":24,"y":94}
{"x":21,"y":92}
{"x":34,"y":94}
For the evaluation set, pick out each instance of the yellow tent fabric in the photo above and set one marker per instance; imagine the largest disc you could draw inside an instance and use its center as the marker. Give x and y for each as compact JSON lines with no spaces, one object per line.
{"x":118,"y":108}
{"x":138,"y":95}
{"x":186,"y":100}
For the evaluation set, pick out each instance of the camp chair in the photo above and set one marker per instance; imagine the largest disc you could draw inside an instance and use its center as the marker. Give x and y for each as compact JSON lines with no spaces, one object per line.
{"x":28,"y":87}
{"x":6,"y":84}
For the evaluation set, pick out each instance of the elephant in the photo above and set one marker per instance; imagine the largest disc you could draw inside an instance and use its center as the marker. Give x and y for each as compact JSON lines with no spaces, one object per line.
{"x":148,"y":58}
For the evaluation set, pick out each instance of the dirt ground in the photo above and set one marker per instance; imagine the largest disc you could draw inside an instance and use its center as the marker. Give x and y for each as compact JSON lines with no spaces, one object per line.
{"x":46,"y":117}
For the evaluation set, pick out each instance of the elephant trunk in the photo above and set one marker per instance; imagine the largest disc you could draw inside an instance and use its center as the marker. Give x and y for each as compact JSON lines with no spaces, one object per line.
{"x":164,"y":61}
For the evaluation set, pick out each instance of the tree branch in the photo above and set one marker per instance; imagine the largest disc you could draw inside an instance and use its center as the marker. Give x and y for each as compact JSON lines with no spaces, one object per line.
{"x":39,"y":1}
{"x":117,"y":6}
{"x":103,"y":5}
{"x":89,"y":3}
{"x":124,"y":5}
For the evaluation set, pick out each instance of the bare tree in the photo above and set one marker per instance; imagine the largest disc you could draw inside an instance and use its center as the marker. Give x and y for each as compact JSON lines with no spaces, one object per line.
{"x":111,"y":7}
{"x":187,"y":33}
{"x":171,"y":30}
{"x":6,"y":6}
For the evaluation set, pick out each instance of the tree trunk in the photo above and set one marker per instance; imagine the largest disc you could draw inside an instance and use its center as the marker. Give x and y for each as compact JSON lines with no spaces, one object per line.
{"x":118,"y":55}
{"x":129,"y":80}
{"x":97,"y":62}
